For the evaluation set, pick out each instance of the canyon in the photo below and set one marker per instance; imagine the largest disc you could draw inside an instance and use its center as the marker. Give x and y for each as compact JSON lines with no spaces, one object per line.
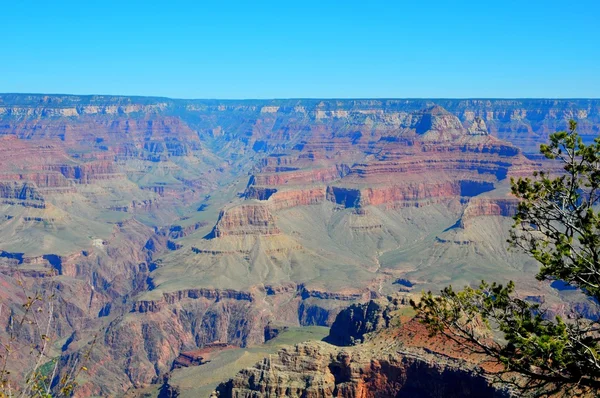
{"x":168,"y":226}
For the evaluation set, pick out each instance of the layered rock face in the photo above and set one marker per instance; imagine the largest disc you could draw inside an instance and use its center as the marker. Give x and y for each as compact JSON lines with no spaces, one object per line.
{"x":457,"y":161}
{"x":486,"y":206}
{"x":379,"y":363}
{"x":320,"y":370}
{"x":353,"y":323}
{"x":88,"y":172}
{"x":243,"y":220}
{"x":172,"y":224}
{"x":287,"y":198}
{"x":27,"y":161}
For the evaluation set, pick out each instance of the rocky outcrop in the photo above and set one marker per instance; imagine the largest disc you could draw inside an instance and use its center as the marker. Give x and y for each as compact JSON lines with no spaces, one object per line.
{"x":476,"y":126}
{"x":178,"y":231}
{"x":350,"y":295}
{"x":489,"y":206}
{"x":320,"y":370}
{"x":19,"y":190}
{"x":416,"y":193}
{"x":243,"y":220}
{"x":353,"y":323}
{"x":436,"y":124}
{"x":286,"y":199}
{"x":272,"y":331}
{"x":198,"y":357}
{"x":46,"y":182}
{"x":194,"y":294}
{"x":259,"y":193}
{"x":88,"y":172}
{"x":388,"y":358}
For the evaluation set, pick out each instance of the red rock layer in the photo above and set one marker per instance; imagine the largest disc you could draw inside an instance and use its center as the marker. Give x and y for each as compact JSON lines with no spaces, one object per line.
{"x":194,"y":294}
{"x":299,"y":177}
{"x":297,"y":197}
{"x":484,"y":206}
{"x":86,"y":173}
{"x":430,"y":157}
{"x":244,"y":220}
{"x":320,"y":370}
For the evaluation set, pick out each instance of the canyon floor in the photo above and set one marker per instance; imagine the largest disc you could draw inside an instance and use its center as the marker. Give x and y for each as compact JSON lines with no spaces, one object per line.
{"x":203,"y":380}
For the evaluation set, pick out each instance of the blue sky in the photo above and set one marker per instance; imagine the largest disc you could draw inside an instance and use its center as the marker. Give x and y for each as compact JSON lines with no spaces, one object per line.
{"x":300,"y":49}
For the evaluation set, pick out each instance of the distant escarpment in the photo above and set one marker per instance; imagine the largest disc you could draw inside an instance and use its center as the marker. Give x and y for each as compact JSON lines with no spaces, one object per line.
{"x":281,"y":123}
{"x":430,"y":156}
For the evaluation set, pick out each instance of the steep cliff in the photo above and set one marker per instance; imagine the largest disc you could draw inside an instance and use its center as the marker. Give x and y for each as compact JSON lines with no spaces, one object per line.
{"x":353,"y":323}
{"x":320,"y":370}
{"x":386,"y":362}
{"x":245,"y":219}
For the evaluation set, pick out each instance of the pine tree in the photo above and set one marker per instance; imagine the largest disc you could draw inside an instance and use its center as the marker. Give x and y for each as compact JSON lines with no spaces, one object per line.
{"x":558,"y":224}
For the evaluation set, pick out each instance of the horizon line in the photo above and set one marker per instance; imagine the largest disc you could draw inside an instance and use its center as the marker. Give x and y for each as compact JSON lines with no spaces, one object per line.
{"x":292,"y":98}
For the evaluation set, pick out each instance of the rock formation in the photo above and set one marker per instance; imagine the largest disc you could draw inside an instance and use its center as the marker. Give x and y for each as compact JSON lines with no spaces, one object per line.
{"x":386,"y":364}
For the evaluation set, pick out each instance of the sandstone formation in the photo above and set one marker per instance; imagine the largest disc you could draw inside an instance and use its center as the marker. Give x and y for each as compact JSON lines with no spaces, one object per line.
{"x":489,"y":206}
{"x":353,"y":323}
{"x":246,"y":219}
{"x":320,"y":370}
{"x":386,"y":364}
